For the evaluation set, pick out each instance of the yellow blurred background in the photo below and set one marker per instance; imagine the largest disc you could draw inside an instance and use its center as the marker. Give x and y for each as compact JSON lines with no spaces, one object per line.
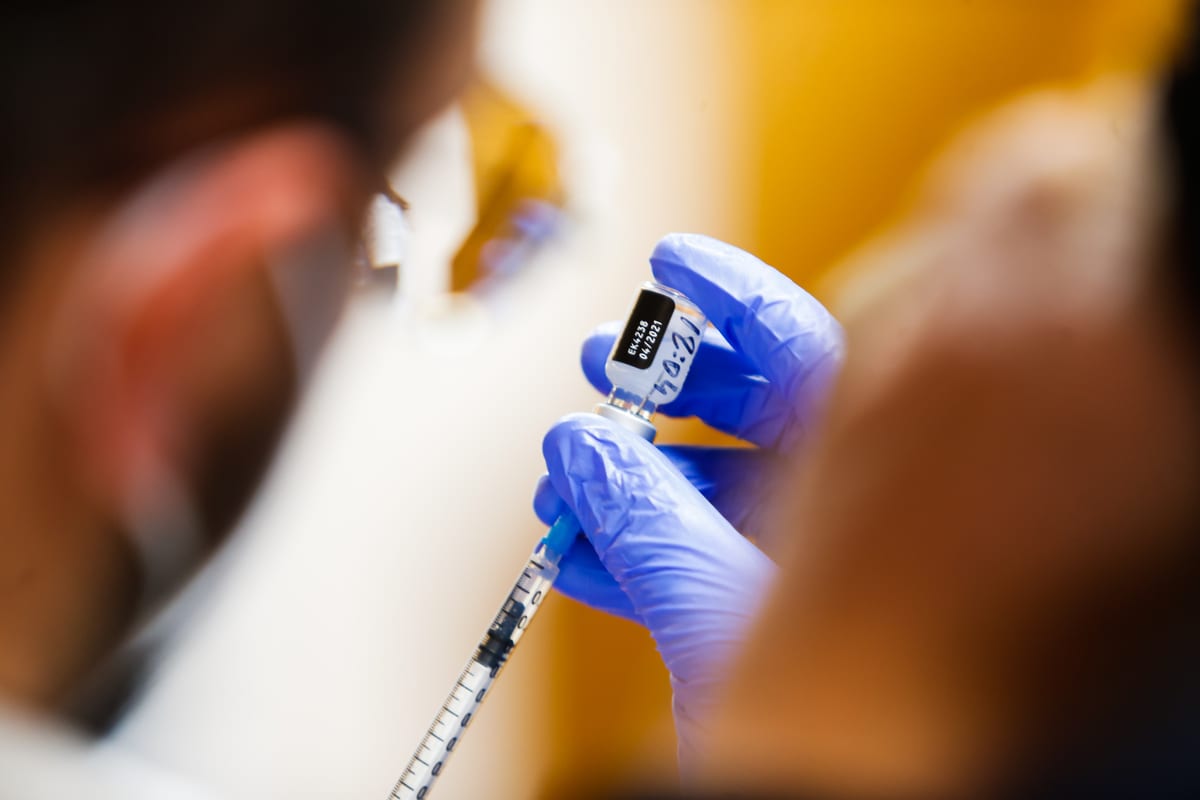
{"x":845,"y":103}
{"x":400,"y":511}
{"x":853,"y":97}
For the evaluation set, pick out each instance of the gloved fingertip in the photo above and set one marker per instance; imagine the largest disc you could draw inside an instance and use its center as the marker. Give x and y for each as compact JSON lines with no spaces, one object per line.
{"x":561,"y":432}
{"x":547,"y":504}
{"x":678,"y":256}
{"x":607,"y":330}
{"x":582,"y":577}
{"x":676,"y":248}
{"x":560,"y":442}
{"x":594,"y":355}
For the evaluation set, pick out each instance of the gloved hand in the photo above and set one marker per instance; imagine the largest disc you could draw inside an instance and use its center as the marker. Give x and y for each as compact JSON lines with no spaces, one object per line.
{"x":662,"y":544}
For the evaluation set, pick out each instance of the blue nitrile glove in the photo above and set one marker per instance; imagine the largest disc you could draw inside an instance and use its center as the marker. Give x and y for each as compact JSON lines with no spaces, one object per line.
{"x":662,"y":544}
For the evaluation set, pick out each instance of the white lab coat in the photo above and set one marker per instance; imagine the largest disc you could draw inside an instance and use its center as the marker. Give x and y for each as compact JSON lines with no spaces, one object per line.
{"x":41,"y":760}
{"x":322,"y":643}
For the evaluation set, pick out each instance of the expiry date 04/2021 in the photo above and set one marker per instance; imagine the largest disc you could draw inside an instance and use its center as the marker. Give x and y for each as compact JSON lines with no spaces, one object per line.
{"x":644,"y":337}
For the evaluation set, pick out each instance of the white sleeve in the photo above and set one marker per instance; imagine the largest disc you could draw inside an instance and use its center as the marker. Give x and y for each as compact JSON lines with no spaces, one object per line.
{"x":40,"y":761}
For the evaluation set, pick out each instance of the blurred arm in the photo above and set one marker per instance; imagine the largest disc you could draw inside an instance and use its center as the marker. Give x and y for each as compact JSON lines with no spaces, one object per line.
{"x":1009,"y":457}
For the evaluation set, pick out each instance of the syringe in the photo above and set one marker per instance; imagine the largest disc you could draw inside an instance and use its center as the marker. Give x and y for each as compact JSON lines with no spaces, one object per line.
{"x":647,"y":367}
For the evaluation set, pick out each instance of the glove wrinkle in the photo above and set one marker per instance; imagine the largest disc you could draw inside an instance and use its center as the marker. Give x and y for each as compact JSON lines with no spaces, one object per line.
{"x":662,"y":525}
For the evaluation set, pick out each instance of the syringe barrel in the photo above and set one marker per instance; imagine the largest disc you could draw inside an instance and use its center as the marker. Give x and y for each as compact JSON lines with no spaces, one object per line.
{"x":647,"y":367}
{"x":525,"y":599}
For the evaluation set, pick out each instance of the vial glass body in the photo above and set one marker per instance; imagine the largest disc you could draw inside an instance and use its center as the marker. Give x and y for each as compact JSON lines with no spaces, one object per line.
{"x":654,"y":353}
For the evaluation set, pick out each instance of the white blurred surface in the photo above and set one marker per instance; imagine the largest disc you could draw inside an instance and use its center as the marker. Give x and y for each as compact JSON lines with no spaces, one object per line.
{"x":436,"y":172}
{"x":329,"y":632}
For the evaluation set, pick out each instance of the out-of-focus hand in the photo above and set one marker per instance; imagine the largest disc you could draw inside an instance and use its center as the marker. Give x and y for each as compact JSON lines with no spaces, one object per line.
{"x":663,"y":546}
{"x":999,"y":514}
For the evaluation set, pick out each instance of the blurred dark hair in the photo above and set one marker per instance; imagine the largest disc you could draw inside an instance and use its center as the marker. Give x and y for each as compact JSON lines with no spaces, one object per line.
{"x":1181,"y":123}
{"x":95,"y":93}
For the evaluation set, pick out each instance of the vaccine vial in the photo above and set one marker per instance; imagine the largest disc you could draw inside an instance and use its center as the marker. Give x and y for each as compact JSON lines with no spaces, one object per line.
{"x":652,"y":357}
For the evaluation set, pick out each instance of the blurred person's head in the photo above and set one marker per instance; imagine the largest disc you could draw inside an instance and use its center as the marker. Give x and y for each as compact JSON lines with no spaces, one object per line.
{"x":996,"y":571}
{"x":180,"y":185}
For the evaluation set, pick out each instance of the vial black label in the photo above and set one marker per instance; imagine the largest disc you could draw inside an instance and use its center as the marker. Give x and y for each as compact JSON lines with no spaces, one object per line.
{"x":645,"y":330}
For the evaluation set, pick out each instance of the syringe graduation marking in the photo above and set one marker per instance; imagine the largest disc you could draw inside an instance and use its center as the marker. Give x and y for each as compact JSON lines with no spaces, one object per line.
{"x":472,"y":685}
{"x":640,"y":369}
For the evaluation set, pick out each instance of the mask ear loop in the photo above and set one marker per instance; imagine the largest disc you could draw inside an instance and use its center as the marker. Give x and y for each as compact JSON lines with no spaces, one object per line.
{"x":303,"y":278}
{"x":164,"y":528}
